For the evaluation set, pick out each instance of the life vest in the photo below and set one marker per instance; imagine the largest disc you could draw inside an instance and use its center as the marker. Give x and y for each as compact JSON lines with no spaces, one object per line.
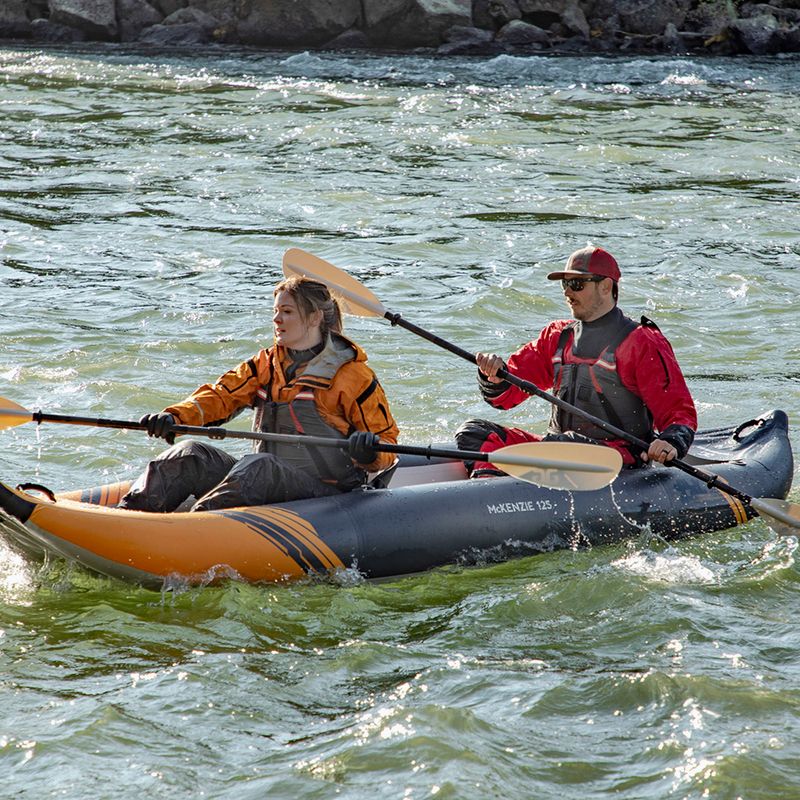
{"x":300,"y":416}
{"x":595,"y":387}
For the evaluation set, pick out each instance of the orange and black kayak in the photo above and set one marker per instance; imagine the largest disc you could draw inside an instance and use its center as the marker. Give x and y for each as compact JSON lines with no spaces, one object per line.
{"x":430,"y":515}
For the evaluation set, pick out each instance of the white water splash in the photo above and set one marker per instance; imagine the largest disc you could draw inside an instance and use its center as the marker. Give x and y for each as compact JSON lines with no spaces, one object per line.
{"x":16,"y":578}
{"x":668,"y":567}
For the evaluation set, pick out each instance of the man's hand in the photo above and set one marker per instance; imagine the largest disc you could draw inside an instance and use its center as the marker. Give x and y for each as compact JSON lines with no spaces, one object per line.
{"x":490,"y":364}
{"x":660,"y":451}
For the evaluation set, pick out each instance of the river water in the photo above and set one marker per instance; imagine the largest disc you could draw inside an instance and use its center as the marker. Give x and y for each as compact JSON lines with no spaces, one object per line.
{"x":145,"y":202}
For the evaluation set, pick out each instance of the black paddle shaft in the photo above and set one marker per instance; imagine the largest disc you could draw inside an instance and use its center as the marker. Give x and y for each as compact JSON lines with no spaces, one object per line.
{"x":532,"y":388}
{"x":212,"y":432}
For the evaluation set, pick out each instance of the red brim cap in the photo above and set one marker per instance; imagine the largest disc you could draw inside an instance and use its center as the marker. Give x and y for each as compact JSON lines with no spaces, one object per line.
{"x":589,"y":261}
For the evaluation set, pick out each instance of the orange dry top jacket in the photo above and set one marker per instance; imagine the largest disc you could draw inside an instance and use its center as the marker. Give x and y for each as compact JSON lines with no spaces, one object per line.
{"x":347,"y":393}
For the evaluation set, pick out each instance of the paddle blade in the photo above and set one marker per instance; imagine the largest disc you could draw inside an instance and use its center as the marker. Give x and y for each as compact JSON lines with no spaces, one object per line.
{"x":12,"y":414}
{"x":353,"y":297}
{"x":560,"y":465}
{"x":781,"y":515}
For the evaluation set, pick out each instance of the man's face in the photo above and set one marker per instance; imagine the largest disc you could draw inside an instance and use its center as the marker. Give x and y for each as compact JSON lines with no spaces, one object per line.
{"x":589,"y":302}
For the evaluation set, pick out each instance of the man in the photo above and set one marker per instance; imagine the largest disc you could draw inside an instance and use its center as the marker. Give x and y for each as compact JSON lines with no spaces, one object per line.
{"x":603,"y":363}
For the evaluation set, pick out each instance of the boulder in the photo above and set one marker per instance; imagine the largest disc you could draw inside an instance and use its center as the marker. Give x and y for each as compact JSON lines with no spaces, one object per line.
{"x":179,"y":35}
{"x":711,"y":18}
{"x":543,"y":13}
{"x":290,"y":22}
{"x":134,"y":16}
{"x":493,"y":14}
{"x":467,"y":33}
{"x":413,"y":23}
{"x":14,"y":22}
{"x":501,"y":12}
{"x":522,"y":34}
{"x":651,"y":17}
{"x":352,"y":39}
{"x":574,"y":20}
{"x":788,"y":15}
{"x":96,"y":18}
{"x":42,"y":30}
{"x":191,"y":16}
{"x":464,"y":40}
{"x":671,"y":41}
{"x":757,"y":34}
{"x":37,"y":9}
{"x":167,"y":7}
{"x":788,"y":39}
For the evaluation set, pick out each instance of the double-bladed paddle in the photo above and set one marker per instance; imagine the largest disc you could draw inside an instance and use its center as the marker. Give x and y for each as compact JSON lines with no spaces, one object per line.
{"x":782,"y":516}
{"x":556,"y":465}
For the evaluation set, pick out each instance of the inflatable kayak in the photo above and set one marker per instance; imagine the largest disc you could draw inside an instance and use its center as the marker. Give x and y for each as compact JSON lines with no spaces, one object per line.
{"x":429,"y":515}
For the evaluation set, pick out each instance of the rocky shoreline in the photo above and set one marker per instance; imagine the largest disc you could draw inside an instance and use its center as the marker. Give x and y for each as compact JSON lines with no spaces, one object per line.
{"x":445,"y":27}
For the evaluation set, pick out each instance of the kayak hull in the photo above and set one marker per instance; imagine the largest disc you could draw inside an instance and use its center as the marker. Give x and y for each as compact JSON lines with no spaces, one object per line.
{"x":429,"y":516}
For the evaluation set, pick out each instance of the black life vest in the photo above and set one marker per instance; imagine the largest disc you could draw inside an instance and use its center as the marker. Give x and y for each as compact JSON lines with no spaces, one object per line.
{"x":595,"y":387}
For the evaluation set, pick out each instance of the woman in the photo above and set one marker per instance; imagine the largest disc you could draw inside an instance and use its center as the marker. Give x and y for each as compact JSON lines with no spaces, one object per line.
{"x":312,"y":381}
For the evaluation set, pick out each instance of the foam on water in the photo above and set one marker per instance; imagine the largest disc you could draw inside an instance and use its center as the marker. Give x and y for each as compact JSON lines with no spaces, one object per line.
{"x":668,"y":567}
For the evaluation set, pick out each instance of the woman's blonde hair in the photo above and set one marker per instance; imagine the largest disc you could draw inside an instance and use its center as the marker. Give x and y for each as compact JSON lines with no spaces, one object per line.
{"x":311,"y":296}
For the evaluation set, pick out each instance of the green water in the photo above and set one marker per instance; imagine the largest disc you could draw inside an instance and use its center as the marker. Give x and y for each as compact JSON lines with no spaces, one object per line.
{"x":145,"y":203}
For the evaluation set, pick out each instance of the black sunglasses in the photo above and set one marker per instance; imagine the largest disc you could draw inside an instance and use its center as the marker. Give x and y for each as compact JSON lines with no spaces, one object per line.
{"x":577,"y":284}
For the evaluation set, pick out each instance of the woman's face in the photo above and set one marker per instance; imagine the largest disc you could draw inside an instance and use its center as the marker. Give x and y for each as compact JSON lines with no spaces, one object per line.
{"x":291,"y":328}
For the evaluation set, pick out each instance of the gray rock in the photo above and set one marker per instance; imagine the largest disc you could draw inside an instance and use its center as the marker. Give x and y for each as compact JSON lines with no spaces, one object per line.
{"x":181,"y":35}
{"x":225,"y":12}
{"x":788,"y":39}
{"x":711,"y":18}
{"x":502,"y":12}
{"x":463,"y":40}
{"x":37,"y":9}
{"x":167,"y":7}
{"x":354,"y":39}
{"x":134,"y":16}
{"x":191,"y":16}
{"x":96,"y":18}
{"x":42,"y":30}
{"x":294,"y":22}
{"x":480,"y":15}
{"x":780,"y":13}
{"x":467,"y":33}
{"x":543,"y":13}
{"x":522,"y":34}
{"x":671,"y":41}
{"x":651,"y":17}
{"x":574,"y":20}
{"x":413,"y":23}
{"x":14,"y":22}
{"x":757,"y":34}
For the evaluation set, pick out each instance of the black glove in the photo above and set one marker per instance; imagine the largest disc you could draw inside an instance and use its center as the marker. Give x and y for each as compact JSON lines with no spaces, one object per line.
{"x":159,"y":425}
{"x":362,"y":447}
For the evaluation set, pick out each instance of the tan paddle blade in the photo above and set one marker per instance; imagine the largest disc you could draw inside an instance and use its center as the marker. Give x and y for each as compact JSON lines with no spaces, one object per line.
{"x":353,"y":297}
{"x":781,"y":515}
{"x":12,"y":414}
{"x":560,"y":465}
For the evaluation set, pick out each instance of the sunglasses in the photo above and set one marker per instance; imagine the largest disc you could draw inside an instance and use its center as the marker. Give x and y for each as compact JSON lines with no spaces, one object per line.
{"x":577,"y":284}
